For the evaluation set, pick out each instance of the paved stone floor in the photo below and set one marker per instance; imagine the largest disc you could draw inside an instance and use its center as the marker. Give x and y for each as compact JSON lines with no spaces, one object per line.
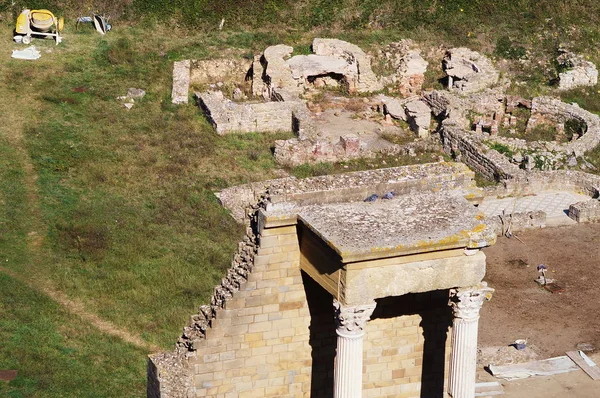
{"x":555,"y":204}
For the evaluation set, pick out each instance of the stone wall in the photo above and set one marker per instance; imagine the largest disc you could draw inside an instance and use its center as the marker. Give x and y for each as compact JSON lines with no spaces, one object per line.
{"x":554,"y":109}
{"x":227,"y":116}
{"x":538,"y":181}
{"x":407,"y":346}
{"x":488,"y":162}
{"x":588,"y":211}
{"x":517,"y":222}
{"x":275,"y":337}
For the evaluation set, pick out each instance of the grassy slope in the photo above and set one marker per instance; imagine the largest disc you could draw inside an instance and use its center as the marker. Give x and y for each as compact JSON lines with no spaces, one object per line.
{"x":58,"y":355}
{"x":114,"y":207}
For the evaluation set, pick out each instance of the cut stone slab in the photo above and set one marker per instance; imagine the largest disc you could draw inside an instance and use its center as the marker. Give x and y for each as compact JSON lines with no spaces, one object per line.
{"x":394,"y":107}
{"x":419,"y":117}
{"x":304,"y":66}
{"x":181,"y":82}
{"x":547,"y":367}
{"x":587,"y":211}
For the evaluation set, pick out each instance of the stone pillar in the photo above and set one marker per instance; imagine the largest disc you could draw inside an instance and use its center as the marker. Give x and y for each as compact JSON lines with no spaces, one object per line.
{"x":466,"y":303}
{"x":350,"y":322}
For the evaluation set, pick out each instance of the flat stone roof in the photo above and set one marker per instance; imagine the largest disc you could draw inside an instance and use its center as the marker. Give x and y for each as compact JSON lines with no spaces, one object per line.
{"x":407,"y":224}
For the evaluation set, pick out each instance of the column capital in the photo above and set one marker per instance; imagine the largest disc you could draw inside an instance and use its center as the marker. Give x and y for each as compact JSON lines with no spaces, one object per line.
{"x":351,"y":320}
{"x":466,"y":302}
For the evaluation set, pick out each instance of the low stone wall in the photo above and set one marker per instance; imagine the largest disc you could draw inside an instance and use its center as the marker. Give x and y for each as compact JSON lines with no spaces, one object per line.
{"x":488,"y":162}
{"x":355,"y":186}
{"x":552,"y":108}
{"x":227,"y":116}
{"x":181,"y":82}
{"x":539,"y":181}
{"x":588,"y":211}
{"x":517,"y":222}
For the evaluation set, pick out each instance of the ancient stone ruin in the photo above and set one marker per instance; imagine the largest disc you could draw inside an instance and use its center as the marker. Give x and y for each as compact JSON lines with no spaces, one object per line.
{"x":330,"y":294}
{"x":468,"y":71}
{"x":322,"y":272}
{"x":369,"y":283}
{"x":576,"y":71}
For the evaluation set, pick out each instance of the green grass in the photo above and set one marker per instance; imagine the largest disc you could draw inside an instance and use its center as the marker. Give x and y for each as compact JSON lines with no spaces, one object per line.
{"x":113,"y":207}
{"x":57,"y":354}
{"x":501,"y":148}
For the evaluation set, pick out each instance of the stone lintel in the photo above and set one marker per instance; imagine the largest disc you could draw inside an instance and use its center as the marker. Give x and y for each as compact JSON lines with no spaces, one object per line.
{"x":361,"y":282}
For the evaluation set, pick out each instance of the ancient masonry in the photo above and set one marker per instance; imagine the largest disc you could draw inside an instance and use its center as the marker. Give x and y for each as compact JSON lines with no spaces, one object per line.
{"x":334,"y":296}
{"x":330,"y":294}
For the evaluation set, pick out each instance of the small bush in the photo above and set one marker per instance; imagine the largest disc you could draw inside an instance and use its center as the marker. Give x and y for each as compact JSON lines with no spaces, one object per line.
{"x":574,"y":128}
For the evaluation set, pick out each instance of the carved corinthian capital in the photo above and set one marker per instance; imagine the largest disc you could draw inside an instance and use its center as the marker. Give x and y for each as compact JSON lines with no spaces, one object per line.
{"x":467,"y":302}
{"x":352,"y":320}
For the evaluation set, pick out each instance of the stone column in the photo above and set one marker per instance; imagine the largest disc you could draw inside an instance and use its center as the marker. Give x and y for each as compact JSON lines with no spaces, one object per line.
{"x":466,"y":304}
{"x":350,"y":322}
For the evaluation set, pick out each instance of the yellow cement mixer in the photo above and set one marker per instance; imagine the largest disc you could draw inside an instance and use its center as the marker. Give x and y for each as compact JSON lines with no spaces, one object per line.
{"x":31,"y":23}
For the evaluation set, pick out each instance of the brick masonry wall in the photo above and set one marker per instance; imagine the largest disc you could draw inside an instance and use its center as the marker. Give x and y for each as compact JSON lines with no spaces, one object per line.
{"x":276,"y":336}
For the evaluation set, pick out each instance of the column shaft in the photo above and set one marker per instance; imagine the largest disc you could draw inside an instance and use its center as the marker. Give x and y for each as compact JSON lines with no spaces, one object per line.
{"x":350,"y":322}
{"x":348,"y":367}
{"x":463,"y":362}
{"x":466,"y":304}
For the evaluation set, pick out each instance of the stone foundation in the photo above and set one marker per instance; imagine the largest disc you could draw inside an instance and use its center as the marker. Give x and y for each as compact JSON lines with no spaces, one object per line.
{"x":228,"y":117}
{"x":517,"y":222}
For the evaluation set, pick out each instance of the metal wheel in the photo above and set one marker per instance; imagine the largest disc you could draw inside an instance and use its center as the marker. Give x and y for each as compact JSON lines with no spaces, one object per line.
{"x":26,"y":39}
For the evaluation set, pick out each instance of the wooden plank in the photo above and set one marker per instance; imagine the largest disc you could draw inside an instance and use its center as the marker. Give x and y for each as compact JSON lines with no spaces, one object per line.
{"x":592,"y":371}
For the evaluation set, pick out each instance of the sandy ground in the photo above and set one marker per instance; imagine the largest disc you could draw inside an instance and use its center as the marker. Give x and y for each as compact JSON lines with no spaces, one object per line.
{"x":552,"y":323}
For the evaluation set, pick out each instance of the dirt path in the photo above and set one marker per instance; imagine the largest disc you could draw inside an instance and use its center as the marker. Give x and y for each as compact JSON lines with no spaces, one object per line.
{"x":16,"y":111}
{"x":77,"y":308}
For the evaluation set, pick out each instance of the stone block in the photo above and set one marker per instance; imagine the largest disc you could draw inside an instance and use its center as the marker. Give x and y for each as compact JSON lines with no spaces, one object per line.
{"x":588,"y":211}
{"x":181,"y":82}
